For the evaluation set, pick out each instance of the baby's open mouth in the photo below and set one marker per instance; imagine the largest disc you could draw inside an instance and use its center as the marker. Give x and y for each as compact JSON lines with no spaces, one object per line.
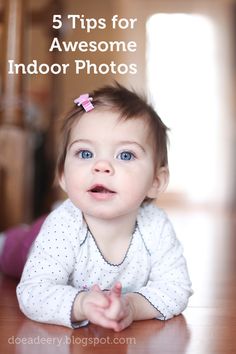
{"x":98,"y":188}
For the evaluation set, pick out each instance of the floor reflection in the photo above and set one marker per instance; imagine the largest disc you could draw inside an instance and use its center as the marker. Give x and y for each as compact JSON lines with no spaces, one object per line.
{"x":170,"y":336}
{"x":142,"y":337}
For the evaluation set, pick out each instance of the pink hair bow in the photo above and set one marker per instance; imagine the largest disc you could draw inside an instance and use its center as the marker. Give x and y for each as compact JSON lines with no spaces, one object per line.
{"x":85,"y":101}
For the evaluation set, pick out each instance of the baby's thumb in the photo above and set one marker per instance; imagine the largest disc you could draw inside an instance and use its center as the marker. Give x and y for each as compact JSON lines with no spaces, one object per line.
{"x":116,"y":290}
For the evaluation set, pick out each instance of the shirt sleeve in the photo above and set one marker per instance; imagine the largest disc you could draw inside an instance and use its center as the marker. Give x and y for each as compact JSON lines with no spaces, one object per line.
{"x":168,"y":288}
{"x":43,"y":292}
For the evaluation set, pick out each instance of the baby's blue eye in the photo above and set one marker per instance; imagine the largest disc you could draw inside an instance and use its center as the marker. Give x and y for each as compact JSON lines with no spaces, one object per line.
{"x":85,"y":154}
{"x":126,"y":155}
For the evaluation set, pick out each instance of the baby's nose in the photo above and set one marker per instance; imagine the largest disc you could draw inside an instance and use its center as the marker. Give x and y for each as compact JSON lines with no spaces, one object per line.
{"x":103,"y":166}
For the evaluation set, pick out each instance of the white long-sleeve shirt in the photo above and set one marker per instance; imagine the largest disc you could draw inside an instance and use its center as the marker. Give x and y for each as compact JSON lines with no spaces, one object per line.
{"x":65,"y":260}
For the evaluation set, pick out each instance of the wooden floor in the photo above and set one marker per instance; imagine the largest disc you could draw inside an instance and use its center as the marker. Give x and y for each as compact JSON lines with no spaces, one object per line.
{"x":208,"y":325}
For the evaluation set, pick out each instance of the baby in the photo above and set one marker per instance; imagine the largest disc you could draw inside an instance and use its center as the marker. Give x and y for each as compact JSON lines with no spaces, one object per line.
{"x":107,"y":255}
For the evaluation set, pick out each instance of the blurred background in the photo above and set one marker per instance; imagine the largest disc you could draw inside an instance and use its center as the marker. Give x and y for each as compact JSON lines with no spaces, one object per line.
{"x":185,"y":64}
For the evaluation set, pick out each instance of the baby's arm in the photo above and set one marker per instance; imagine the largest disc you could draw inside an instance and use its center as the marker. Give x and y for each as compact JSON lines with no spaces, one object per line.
{"x":168,"y":288}
{"x":43,"y":293}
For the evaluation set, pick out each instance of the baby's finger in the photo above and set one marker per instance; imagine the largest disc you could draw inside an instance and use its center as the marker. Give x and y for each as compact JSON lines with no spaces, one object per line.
{"x":98,"y":318}
{"x":115,"y":310}
{"x":116,"y":289}
{"x":96,"y":296}
{"x":125,"y":322}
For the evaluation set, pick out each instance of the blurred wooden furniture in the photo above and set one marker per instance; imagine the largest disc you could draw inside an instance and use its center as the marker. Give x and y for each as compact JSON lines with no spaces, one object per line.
{"x":17,"y":138}
{"x":15,"y":158}
{"x":208,"y":326}
{"x":16,"y":166}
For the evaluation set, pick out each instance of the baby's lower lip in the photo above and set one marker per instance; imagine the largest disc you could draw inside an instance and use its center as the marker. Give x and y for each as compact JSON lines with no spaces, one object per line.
{"x":103,"y":195}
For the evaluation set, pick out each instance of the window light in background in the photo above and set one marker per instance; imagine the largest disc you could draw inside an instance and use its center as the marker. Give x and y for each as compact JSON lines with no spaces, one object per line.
{"x":183,"y":80}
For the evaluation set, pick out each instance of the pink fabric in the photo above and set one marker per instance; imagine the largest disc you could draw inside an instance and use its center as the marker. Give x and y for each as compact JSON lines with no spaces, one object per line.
{"x":16,"y":247}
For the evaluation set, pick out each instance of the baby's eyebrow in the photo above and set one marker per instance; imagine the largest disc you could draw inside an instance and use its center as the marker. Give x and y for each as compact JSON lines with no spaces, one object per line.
{"x":86,"y":141}
{"x":130,"y":142}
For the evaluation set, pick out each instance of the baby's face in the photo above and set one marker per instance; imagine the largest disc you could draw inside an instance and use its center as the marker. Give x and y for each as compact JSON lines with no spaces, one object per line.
{"x":109,"y":166}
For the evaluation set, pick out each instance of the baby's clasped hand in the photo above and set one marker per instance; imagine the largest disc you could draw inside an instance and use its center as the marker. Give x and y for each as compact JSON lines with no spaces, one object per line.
{"x":120,"y":309}
{"x":109,"y":309}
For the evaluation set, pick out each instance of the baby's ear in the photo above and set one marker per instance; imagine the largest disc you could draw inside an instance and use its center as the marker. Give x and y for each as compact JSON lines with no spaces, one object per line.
{"x":160,"y":182}
{"x":62,"y":182}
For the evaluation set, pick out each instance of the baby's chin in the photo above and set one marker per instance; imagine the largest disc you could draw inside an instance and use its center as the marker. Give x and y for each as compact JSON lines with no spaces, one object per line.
{"x":106,"y":214}
{"x":103,"y":215}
